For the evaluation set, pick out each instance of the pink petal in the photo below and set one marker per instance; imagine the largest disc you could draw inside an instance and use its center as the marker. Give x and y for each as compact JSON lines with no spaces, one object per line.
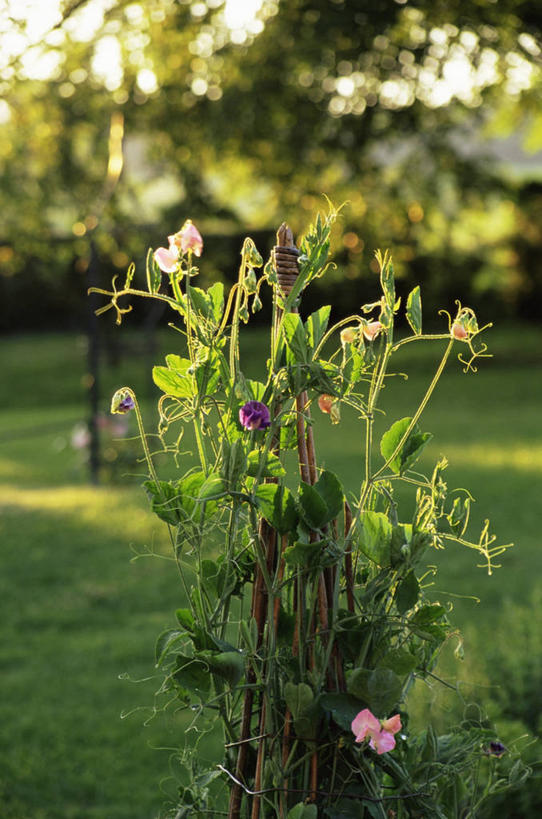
{"x":370,"y":331}
{"x":382,"y":742}
{"x":458,"y":331}
{"x":166,"y":259}
{"x":392,"y":725}
{"x":190,"y":238}
{"x":365,"y":723}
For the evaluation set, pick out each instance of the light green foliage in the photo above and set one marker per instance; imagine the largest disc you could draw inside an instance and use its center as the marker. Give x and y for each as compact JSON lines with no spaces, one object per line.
{"x":338,"y":611}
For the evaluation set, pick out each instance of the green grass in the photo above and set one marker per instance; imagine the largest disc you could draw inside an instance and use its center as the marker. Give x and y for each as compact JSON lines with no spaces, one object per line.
{"x":77,"y":613}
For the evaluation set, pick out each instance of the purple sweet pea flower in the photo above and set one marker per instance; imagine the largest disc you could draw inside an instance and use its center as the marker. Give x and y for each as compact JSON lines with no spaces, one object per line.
{"x":254,"y":415}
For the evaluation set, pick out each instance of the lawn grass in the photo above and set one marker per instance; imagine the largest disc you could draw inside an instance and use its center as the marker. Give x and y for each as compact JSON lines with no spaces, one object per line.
{"x":77,"y":613}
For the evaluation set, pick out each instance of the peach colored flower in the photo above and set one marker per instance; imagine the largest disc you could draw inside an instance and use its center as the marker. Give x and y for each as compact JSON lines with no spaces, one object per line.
{"x":371,"y":330}
{"x":348,"y":335}
{"x":458,"y":331}
{"x":381,"y":735}
{"x":331,"y":406}
{"x":325,"y":402}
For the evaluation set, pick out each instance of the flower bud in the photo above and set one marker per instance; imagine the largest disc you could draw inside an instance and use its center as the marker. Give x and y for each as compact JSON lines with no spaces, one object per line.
{"x":122,"y":401}
{"x":251,"y":282}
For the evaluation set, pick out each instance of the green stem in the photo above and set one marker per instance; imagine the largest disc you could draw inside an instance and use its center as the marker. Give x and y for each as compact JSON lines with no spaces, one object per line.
{"x":234,"y":340}
{"x":332,"y":330}
{"x":425,"y":337}
{"x":189,"y":310}
{"x":419,"y":411}
{"x":199,"y":442}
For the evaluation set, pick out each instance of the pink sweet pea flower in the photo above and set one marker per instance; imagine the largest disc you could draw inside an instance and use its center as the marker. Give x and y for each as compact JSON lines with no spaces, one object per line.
{"x":381,"y":738}
{"x":167,"y":259}
{"x":187,"y":238}
{"x":371,"y":330}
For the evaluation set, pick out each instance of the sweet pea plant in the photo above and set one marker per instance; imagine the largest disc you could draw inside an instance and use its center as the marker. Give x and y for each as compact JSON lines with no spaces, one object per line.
{"x":305,"y":619}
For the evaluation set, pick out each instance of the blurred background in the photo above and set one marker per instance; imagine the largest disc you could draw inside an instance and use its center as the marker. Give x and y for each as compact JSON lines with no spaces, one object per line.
{"x":119,"y":121}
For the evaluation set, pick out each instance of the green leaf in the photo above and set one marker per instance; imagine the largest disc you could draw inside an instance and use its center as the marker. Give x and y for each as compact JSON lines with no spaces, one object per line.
{"x":414,"y":310}
{"x":166,"y":640}
{"x":229,"y":665}
{"x":330,"y":490}
{"x":185,"y":618}
{"x":312,"y":506}
{"x":387,"y":281}
{"x":165,"y":500}
{"x":352,"y":370}
{"x":375,"y":537}
{"x":212,"y":487}
{"x":176,"y":382}
{"x":255,"y":390}
{"x":343,"y":708}
{"x":216,"y":294}
{"x":189,"y":490}
{"x":410,"y":450}
{"x":272,"y":468}
{"x":304,"y":554}
{"x":407,"y":592}
{"x":192,"y":675}
{"x":299,"y":698}
{"x":428,"y":614}
{"x":208,"y":373}
{"x":316,"y":326}
{"x":380,"y":688}
{"x":294,"y":334}
{"x":154,"y":274}
{"x":303,"y":811}
{"x":277,"y":506}
{"x":400,"y":661}
{"x":233,"y":462}
{"x":209,"y":303}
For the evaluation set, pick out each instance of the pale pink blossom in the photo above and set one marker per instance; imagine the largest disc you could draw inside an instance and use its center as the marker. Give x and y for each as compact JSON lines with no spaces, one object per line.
{"x":381,"y":734}
{"x":371,"y":330}
{"x":458,"y":331}
{"x":167,"y":259}
{"x":187,"y":238}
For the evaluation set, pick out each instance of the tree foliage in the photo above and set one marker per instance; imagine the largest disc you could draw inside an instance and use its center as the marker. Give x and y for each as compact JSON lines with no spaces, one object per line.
{"x":370,"y":102}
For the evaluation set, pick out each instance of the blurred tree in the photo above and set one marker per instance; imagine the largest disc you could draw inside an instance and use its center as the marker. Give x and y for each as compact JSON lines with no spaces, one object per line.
{"x":245,"y":111}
